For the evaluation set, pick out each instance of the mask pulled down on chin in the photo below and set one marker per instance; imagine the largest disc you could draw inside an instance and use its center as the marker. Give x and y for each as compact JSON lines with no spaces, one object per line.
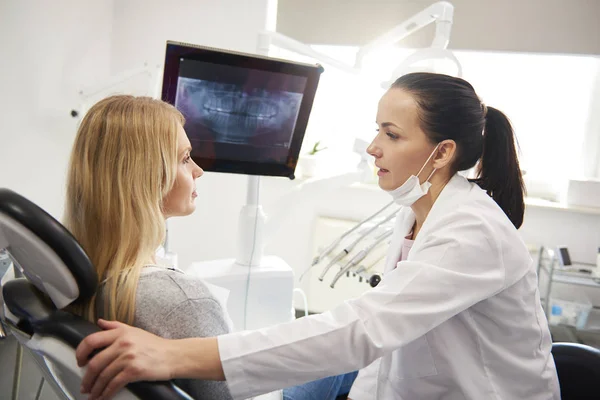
{"x":412,"y":190}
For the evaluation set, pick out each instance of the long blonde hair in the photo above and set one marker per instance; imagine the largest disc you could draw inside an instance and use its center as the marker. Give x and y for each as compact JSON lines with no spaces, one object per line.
{"x":122,"y":166}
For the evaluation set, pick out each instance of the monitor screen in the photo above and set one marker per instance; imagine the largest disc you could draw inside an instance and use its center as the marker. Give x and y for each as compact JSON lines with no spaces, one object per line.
{"x":565,"y":258}
{"x":244,"y":114}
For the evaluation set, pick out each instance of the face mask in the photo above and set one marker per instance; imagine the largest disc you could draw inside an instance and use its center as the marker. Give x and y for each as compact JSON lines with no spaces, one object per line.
{"x":411,"y":191}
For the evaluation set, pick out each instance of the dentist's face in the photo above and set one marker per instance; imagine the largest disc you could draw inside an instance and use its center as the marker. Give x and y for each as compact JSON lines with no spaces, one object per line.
{"x":400,"y":147}
{"x":180,"y":200}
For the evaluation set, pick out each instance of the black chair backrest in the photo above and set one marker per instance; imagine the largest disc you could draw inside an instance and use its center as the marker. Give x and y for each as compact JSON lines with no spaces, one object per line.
{"x":58,"y":272}
{"x":578,"y":368}
{"x":49,"y":255}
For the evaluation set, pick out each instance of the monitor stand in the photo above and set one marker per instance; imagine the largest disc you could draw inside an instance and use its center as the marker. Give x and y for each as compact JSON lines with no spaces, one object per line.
{"x":260,"y":288}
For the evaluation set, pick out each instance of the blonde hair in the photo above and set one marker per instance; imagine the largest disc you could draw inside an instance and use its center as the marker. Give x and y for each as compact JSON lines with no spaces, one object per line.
{"x":122,"y":166}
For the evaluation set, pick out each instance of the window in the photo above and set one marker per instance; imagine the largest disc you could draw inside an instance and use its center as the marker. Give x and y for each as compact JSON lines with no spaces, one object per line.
{"x":549,"y":99}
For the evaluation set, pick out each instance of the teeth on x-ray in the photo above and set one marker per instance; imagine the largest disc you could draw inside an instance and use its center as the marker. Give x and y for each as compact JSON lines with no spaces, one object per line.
{"x":235,"y":114}
{"x":227,"y":103}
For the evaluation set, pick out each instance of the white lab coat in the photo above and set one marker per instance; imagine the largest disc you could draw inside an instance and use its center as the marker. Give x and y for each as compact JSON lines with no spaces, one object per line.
{"x":461,"y":318}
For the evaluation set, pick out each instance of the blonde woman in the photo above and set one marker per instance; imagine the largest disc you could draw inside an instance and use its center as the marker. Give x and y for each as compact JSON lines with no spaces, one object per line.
{"x":131,"y":169}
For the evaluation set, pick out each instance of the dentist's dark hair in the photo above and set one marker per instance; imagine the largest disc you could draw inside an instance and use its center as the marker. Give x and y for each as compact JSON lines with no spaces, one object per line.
{"x":449,"y":108}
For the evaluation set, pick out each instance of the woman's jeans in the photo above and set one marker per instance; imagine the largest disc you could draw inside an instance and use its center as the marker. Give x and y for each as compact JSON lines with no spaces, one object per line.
{"x":322,"y":389}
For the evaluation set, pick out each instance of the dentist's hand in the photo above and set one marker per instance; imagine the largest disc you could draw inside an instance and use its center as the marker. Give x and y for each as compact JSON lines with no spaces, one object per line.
{"x":131,"y":354}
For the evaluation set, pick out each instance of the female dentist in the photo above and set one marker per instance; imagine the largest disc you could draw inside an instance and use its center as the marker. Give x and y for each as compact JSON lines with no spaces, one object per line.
{"x":457,"y":314}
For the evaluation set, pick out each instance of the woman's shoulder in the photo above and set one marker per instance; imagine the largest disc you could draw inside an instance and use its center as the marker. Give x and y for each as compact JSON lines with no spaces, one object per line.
{"x":168,"y":286}
{"x":166,"y":295}
{"x":174,"y":305}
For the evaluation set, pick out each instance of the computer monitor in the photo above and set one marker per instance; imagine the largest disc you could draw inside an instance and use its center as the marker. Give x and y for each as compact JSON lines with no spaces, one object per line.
{"x":244,"y":113}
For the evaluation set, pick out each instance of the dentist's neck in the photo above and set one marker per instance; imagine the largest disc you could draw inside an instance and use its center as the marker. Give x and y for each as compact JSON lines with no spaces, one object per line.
{"x":423,"y":206}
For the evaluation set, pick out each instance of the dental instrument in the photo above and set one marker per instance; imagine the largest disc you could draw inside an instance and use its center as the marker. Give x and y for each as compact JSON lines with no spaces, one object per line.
{"x":351,"y":246}
{"x":324,"y":253}
{"x":361,"y":256}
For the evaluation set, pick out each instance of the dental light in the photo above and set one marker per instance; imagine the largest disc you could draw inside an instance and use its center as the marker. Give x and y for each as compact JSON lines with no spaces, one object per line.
{"x":425,"y":60}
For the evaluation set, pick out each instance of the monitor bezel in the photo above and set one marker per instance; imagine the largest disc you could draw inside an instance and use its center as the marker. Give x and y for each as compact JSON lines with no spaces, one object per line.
{"x":175,"y":51}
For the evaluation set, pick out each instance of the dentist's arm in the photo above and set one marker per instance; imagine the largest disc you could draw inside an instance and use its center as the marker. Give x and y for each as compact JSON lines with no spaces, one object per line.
{"x":130,"y":354}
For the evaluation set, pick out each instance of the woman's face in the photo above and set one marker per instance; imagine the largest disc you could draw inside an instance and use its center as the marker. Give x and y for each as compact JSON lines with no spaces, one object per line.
{"x":180,"y":200}
{"x":400,"y":147}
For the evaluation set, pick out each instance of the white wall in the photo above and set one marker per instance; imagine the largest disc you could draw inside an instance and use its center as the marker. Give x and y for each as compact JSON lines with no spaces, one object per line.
{"x":142,"y":27}
{"x":49,"y":49}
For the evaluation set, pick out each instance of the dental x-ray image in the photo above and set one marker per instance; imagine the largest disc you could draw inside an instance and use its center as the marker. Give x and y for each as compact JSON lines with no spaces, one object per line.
{"x":244,"y":114}
{"x":238,"y":113}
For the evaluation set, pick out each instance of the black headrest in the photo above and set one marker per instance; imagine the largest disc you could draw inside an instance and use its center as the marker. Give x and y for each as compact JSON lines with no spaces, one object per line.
{"x":54,"y":234}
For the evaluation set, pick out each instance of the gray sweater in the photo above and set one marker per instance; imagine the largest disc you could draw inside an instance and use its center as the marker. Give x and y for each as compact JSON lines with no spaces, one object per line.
{"x":176,"y":306}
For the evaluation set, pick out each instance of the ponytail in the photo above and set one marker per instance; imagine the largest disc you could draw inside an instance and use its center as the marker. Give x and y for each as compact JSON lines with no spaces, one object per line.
{"x":498,"y":171}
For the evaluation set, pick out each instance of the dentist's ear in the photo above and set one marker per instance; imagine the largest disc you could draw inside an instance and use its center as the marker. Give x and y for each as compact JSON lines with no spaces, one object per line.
{"x":445,"y":154}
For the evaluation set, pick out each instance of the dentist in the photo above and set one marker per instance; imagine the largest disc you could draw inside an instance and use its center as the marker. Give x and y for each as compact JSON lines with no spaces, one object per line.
{"x":457,"y":314}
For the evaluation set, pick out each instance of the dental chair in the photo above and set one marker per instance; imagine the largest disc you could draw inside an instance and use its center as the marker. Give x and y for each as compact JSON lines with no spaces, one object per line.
{"x":578,"y":368}
{"x":50,"y":271}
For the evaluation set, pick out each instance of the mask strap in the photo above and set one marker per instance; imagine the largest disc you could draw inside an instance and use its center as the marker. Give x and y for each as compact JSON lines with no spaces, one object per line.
{"x":424,"y":165}
{"x":430,"y":175}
